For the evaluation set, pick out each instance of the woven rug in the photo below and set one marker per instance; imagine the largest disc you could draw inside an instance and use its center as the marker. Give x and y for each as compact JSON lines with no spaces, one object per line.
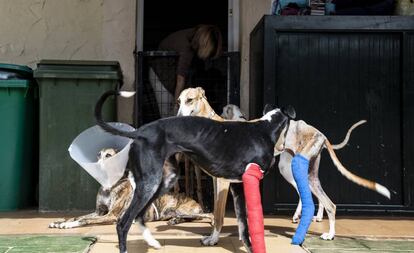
{"x":45,"y":244}
{"x":360,"y":245}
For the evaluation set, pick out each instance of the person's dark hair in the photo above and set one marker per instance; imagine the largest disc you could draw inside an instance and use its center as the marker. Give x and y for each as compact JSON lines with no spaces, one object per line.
{"x":207,"y":41}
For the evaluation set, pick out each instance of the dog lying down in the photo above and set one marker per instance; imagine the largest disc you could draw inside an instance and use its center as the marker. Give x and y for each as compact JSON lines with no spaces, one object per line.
{"x":112,"y":203}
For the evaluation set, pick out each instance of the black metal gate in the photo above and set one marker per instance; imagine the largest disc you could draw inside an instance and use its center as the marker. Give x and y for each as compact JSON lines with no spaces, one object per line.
{"x":220,"y":79}
{"x":336,"y":71}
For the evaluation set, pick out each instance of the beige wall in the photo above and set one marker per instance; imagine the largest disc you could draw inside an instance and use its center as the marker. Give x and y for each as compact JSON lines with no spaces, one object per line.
{"x":32,"y":30}
{"x":251,"y":11}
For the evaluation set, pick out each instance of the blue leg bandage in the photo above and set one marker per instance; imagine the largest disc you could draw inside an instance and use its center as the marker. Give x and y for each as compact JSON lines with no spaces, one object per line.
{"x":300,"y":166}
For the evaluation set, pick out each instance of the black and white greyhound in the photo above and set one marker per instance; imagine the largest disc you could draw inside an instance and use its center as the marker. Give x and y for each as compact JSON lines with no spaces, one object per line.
{"x":222,"y":149}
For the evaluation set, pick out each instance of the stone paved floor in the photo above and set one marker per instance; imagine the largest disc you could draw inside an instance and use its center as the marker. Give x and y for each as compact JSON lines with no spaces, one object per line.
{"x":185,"y":237}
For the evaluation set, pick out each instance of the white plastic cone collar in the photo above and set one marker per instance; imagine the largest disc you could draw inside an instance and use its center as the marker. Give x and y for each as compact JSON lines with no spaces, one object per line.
{"x":86,"y":146}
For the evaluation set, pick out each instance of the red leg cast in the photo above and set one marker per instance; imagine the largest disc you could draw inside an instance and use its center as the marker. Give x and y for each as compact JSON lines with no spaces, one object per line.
{"x":251,"y":183}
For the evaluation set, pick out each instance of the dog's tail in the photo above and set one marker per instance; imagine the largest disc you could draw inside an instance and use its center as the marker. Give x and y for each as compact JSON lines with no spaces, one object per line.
{"x":354,"y":178}
{"x":98,"y":113}
{"x":348,"y":134}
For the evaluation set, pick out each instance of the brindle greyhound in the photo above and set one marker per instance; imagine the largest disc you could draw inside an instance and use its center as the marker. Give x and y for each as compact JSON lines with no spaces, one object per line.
{"x":112,"y":203}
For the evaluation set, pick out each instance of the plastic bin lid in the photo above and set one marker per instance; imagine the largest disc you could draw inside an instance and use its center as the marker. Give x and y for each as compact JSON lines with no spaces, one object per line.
{"x":73,"y":69}
{"x":21,"y":71}
{"x":16,"y":68}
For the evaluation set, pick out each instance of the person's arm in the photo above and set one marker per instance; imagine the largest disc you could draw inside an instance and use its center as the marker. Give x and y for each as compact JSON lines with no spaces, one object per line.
{"x":179,"y":86}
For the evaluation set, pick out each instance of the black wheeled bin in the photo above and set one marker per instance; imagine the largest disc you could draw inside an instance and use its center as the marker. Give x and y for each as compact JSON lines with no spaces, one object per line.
{"x":68,"y":91}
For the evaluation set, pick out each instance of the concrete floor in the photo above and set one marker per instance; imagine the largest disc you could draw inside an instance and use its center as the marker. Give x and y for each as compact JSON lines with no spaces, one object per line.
{"x":185,"y":237}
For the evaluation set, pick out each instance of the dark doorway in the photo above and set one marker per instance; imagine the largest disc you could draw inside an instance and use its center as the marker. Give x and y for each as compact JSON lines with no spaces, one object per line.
{"x":218,"y":77}
{"x":164,"y":17}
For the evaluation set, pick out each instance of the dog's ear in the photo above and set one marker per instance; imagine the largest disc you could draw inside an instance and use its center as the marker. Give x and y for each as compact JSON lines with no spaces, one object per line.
{"x":268,"y":108}
{"x":229,"y":112}
{"x":289,"y":111}
{"x":202,"y":92}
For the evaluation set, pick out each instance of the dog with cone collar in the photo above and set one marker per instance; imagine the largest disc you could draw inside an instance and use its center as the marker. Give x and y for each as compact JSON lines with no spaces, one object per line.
{"x":112,"y":203}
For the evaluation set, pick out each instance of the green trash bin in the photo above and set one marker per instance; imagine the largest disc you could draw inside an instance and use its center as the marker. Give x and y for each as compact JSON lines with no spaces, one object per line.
{"x":68,"y":91}
{"x":17,"y":134}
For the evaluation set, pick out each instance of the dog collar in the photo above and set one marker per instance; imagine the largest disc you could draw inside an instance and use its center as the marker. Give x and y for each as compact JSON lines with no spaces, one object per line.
{"x":157,"y":214}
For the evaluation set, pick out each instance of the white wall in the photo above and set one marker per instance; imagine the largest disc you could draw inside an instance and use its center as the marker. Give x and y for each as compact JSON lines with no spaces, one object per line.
{"x":32,"y":30}
{"x":251,"y":11}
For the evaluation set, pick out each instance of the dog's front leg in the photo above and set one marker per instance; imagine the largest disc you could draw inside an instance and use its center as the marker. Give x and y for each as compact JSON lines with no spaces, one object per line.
{"x":221,"y":190}
{"x":240,"y":210}
{"x":73,"y":222}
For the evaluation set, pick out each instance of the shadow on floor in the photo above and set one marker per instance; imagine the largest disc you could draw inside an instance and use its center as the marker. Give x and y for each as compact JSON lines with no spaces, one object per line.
{"x":227,"y":244}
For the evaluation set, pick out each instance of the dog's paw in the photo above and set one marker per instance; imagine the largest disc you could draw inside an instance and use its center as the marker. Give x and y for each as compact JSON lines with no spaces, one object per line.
{"x":54,"y":224}
{"x":172,"y":222}
{"x":327,"y":236}
{"x":317,"y":219}
{"x":248,"y":249}
{"x":66,"y":225}
{"x":295,"y":219}
{"x":155,"y":244}
{"x":209,"y":240}
{"x":151,"y":241}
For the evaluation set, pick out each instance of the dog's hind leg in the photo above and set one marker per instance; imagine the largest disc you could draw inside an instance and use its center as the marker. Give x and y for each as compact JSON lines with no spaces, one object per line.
{"x":146,"y":233}
{"x":221,"y":191}
{"x":285,"y":169}
{"x":143,"y":196}
{"x":187,"y":175}
{"x":240,"y":209}
{"x":330,"y":207}
{"x":177,"y":218}
{"x":197,"y":171}
{"x":319,"y":214}
{"x":124,"y":224}
{"x":147,"y":168}
{"x":313,"y":177}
